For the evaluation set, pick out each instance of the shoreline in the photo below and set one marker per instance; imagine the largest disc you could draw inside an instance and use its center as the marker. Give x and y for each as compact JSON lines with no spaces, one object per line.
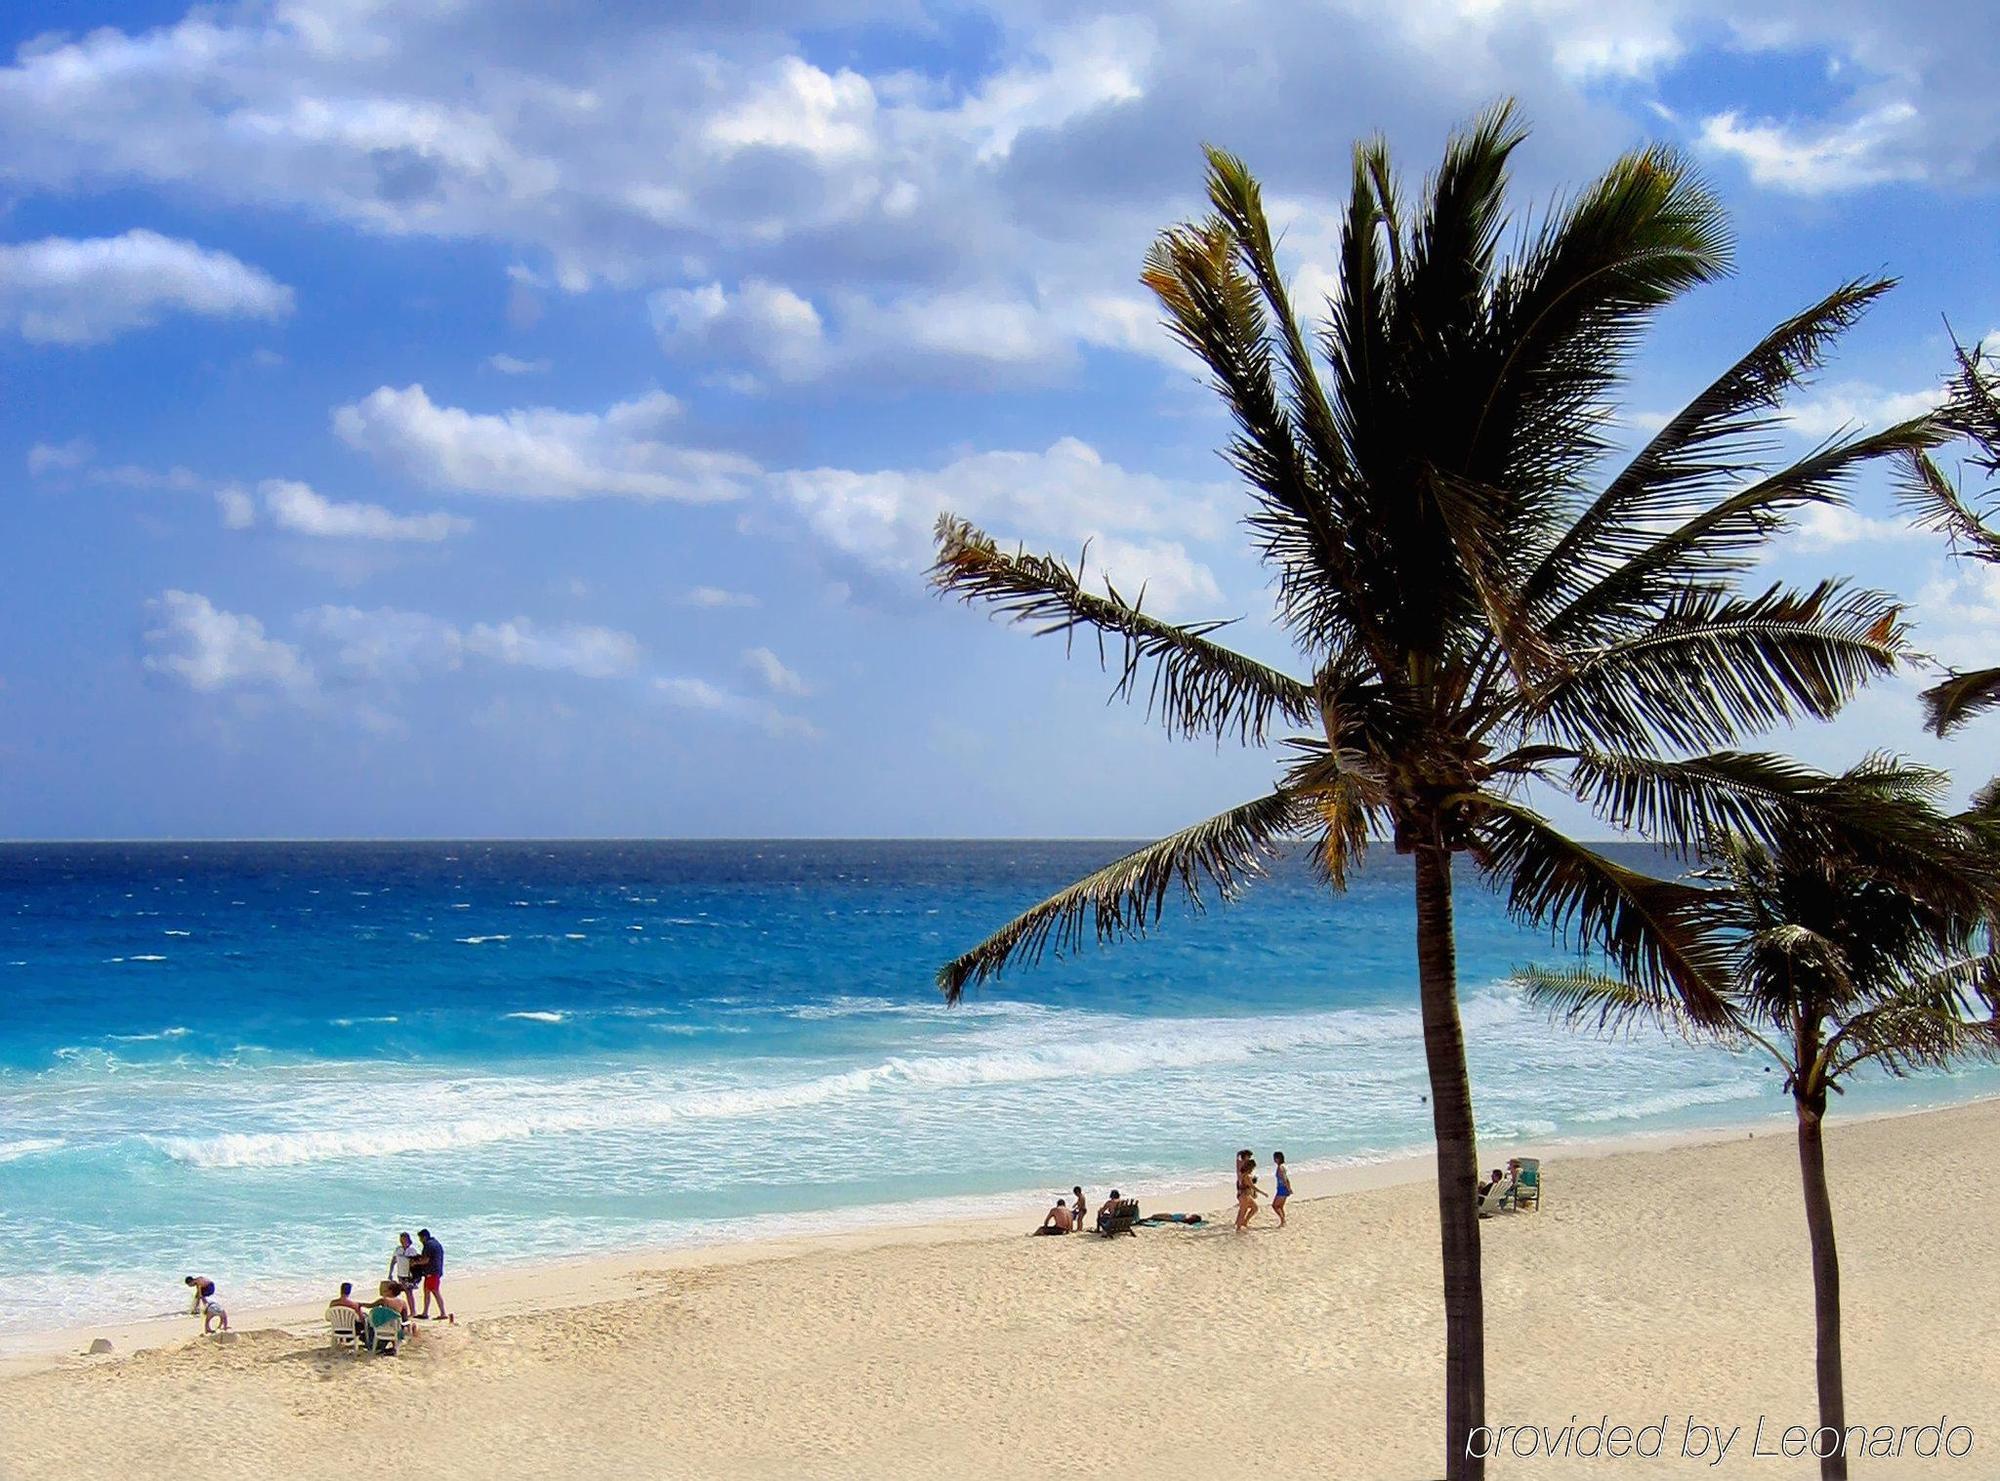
{"x":525,"y":1288}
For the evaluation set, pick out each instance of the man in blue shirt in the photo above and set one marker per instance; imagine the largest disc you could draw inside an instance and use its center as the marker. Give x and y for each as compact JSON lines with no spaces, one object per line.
{"x":433,"y":1272}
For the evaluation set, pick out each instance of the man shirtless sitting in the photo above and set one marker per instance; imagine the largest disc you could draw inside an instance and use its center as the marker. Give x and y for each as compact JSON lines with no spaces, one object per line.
{"x":1058,"y":1220}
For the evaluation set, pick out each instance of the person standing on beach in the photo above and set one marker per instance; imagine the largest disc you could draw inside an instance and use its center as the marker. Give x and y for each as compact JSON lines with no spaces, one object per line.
{"x":1284,"y":1177}
{"x":433,"y":1249}
{"x":399,"y":1261}
{"x":1078,"y":1209}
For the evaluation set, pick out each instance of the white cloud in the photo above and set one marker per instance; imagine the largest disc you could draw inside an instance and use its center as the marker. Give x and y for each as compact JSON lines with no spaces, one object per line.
{"x":1814,"y":161}
{"x":64,"y":290}
{"x":1852,"y":408}
{"x":383,"y":644}
{"x":715,"y":596}
{"x":300,"y":509}
{"x":698,"y":694}
{"x":209,"y":649}
{"x":799,"y":107}
{"x":776,"y":677}
{"x":762,"y":321}
{"x":539,"y":452}
{"x":575,"y":648}
{"x":511,"y":365}
{"x":1137,"y":524}
{"x":390,"y":645}
{"x":238,"y":509}
{"x":59,"y":457}
{"x":1829,"y":526}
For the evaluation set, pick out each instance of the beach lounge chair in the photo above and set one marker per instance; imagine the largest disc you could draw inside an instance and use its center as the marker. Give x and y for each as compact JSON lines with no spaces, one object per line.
{"x":388,"y":1330}
{"x":1124,"y":1214}
{"x":1494,"y":1199}
{"x":346,"y":1324}
{"x":1528,"y":1187}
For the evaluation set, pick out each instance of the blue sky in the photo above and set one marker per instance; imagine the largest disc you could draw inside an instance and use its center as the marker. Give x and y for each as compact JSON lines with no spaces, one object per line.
{"x":433,"y":418}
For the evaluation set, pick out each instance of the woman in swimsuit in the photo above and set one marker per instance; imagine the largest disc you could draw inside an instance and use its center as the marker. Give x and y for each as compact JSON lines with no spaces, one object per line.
{"x":1283,"y":1175}
{"x":1246,"y":1190}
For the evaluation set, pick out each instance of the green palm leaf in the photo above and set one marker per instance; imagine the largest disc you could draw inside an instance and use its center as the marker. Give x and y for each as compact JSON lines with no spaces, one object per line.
{"x":1126,"y":897}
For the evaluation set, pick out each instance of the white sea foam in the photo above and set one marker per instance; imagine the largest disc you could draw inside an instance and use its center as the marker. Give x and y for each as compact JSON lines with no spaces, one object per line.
{"x":177,"y":933}
{"x":28,"y":1146}
{"x":146,"y":957}
{"x":538,"y":1016}
{"x":176,"y":1032}
{"x":479,"y":940}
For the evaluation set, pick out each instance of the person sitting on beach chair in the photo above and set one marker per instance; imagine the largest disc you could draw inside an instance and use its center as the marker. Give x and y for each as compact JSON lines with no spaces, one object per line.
{"x":1117,"y":1215}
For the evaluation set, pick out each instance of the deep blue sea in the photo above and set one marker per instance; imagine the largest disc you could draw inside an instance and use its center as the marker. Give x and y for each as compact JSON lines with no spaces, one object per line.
{"x":262,"y":1060}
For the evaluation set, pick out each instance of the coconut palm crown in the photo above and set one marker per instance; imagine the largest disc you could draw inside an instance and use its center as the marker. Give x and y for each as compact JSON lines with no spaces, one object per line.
{"x":1971,"y":410}
{"x":1853,"y":938}
{"x":1474,"y":601}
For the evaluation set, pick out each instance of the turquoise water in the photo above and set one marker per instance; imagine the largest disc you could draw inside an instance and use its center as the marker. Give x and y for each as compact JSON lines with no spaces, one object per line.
{"x":263,"y":1060}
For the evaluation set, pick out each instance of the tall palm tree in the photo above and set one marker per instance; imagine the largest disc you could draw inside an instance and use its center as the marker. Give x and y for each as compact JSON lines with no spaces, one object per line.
{"x":1850,"y":939}
{"x":1972,"y":410}
{"x":1473,"y":608}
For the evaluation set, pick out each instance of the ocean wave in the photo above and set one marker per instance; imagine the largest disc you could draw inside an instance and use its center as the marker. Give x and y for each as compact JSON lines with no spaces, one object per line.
{"x":176,"y":1032}
{"x":177,"y":933}
{"x":1670,"y":1101}
{"x":479,"y":940}
{"x":538,"y":1015}
{"x":28,"y":1146}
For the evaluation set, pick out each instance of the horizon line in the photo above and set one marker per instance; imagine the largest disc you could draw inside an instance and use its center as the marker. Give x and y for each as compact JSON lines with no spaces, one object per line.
{"x":655,"y":838}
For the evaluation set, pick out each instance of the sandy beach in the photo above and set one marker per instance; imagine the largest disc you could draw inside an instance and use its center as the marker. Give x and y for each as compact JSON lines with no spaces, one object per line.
{"x":1659,"y":1284}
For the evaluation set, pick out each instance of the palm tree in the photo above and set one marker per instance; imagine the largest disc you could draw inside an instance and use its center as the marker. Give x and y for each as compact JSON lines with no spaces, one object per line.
{"x":1972,"y":410}
{"x":1849,"y":939}
{"x":1471,"y":609}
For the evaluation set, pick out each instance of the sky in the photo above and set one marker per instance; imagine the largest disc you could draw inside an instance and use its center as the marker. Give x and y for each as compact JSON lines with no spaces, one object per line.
{"x":438,"y":418}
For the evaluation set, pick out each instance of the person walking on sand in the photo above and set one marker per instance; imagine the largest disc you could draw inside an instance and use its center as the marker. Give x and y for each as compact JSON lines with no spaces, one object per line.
{"x":433,"y":1249}
{"x":1284,"y":1189}
{"x":1246,"y":1193}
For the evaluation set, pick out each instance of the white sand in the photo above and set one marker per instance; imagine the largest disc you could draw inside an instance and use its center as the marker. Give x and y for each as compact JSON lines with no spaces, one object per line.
{"x":1658,"y":1283}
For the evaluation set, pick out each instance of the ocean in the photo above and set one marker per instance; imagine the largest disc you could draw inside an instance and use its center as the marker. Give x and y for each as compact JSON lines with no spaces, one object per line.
{"x":263,"y":1060}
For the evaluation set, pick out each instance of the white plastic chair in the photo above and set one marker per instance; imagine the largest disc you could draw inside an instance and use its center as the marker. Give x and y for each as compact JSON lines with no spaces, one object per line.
{"x":346,"y":1324}
{"x":387,"y":1331}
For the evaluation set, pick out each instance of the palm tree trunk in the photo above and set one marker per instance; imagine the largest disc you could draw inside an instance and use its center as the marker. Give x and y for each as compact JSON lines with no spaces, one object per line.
{"x":1457,"y":1167}
{"x":1826,"y":1285}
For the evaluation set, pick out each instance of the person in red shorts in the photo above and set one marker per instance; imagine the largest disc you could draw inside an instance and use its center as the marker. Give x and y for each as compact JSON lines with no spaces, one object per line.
{"x":433,"y":1249}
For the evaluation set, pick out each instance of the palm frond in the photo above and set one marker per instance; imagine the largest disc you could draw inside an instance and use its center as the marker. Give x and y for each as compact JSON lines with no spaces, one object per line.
{"x":1726,"y":538}
{"x":1946,"y":1016}
{"x":1960,"y":698}
{"x":1218,"y":314}
{"x":1712,"y":666}
{"x":1193,"y":684}
{"x":1713,"y":441}
{"x":1344,"y":795}
{"x":1934,"y":503}
{"x":1608,"y":1005}
{"x":1648,"y":928}
{"x":1683,"y":803}
{"x":1127,"y":896}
